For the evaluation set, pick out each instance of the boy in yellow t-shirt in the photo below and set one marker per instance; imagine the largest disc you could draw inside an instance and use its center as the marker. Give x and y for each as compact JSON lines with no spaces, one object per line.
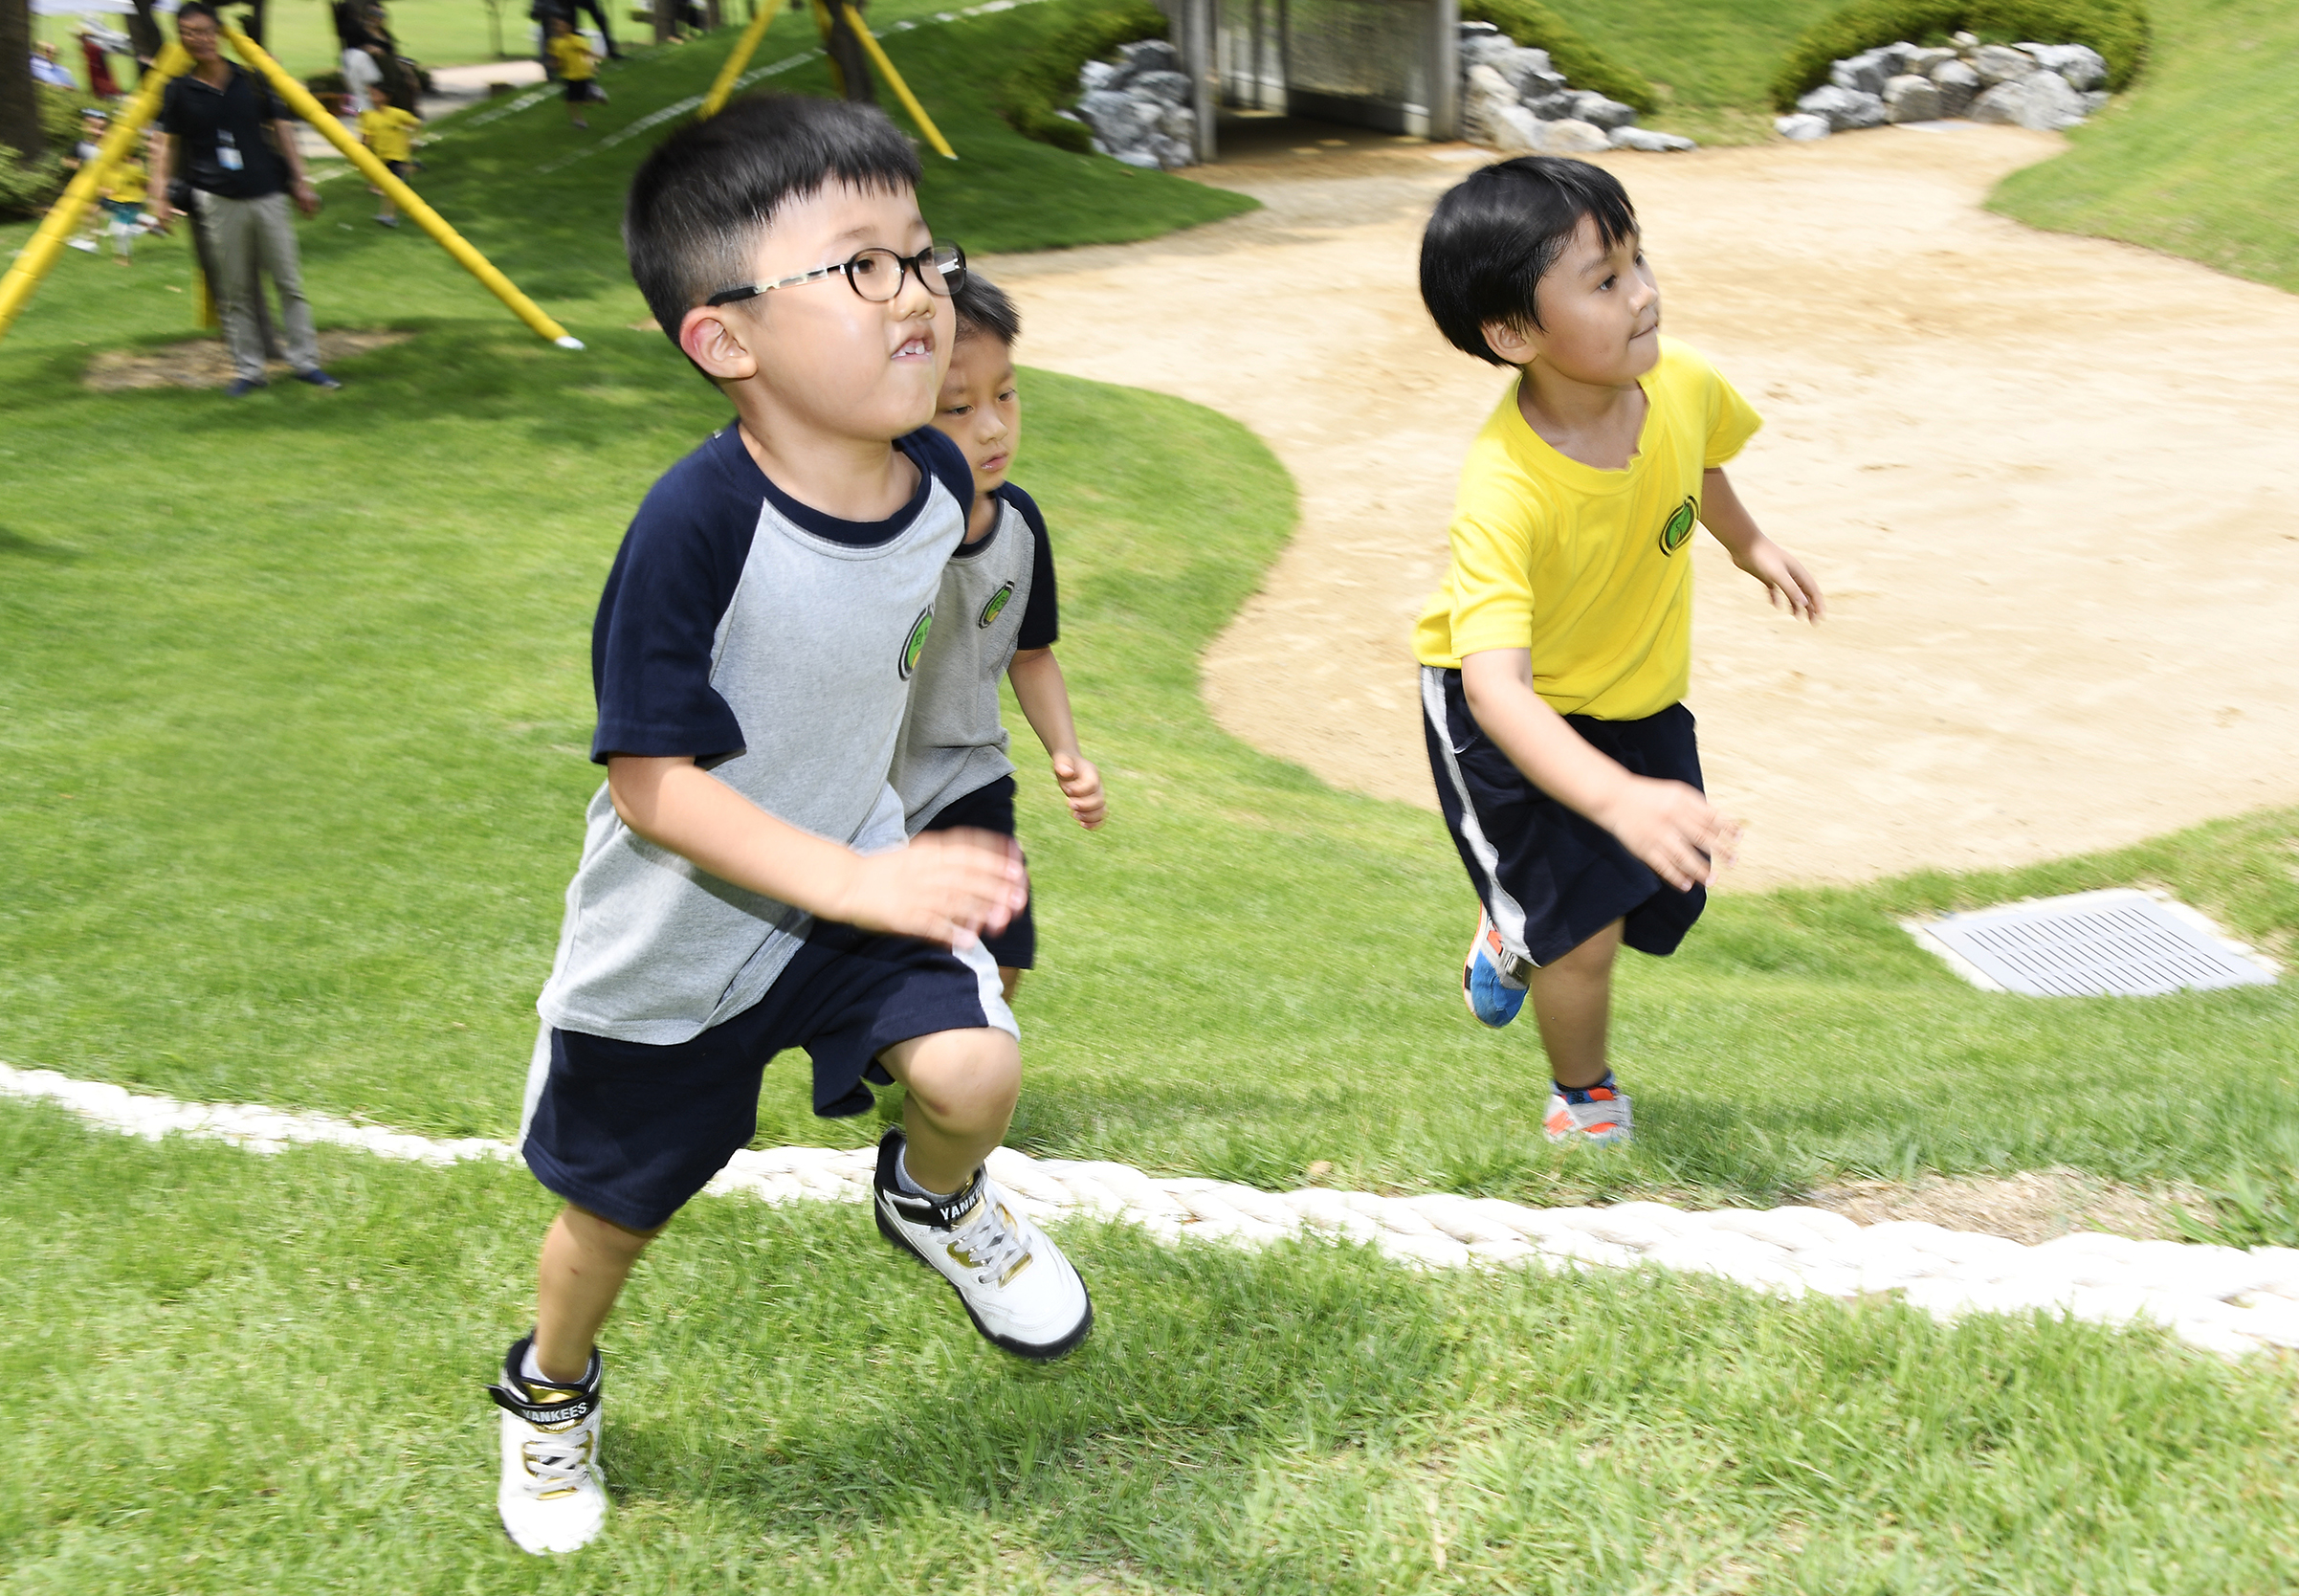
{"x":124,"y":194}
{"x":388,"y":131}
{"x":578,"y":68}
{"x":1553,"y":657}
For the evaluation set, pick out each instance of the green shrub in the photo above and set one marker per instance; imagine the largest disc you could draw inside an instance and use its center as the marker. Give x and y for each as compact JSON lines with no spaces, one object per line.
{"x":28,"y":190}
{"x":1536,"y":27}
{"x":1044,"y":82}
{"x":2117,"y":29}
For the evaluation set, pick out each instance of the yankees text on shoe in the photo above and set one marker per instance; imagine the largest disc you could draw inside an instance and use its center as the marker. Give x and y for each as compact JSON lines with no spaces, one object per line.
{"x":553,"y":1498}
{"x":1600,"y":1117}
{"x":1017,"y":1288}
{"x":1492,"y":979}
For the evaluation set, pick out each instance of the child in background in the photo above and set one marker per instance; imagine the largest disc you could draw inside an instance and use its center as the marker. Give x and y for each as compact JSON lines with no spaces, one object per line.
{"x":93,"y":124}
{"x":122,"y":198}
{"x":995,"y":616}
{"x":1553,"y":657}
{"x":386,"y":129}
{"x":577,"y":66}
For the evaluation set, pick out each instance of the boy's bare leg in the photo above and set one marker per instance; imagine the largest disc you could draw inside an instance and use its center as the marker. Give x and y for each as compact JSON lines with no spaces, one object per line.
{"x":585,"y":1259}
{"x":962,"y":1087}
{"x":1010,"y":977}
{"x":1572,"y":999}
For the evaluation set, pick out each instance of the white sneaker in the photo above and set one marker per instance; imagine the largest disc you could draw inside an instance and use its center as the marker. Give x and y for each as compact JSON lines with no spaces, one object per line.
{"x":1018,"y":1289}
{"x":553,"y":1498}
{"x":1608,"y":1119}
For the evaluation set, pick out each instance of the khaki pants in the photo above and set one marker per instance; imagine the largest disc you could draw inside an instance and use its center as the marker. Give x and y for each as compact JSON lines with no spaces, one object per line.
{"x":246,"y":235}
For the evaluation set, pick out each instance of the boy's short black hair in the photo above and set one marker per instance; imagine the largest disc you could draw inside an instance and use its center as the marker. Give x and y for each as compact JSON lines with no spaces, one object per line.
{"x":1494,"y":235}
{"x":197,"y":8}
{"x":699,"y":201}
{"x":984,"y":311}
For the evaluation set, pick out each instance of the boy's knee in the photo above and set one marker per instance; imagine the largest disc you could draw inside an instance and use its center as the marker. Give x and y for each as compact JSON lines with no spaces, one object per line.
{"x":960,"y":1078}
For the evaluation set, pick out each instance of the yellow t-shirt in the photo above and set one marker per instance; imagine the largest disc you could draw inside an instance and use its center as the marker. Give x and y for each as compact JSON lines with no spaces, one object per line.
{"x":127,"y":184}
{"x":572,"y":53}
{"x":386,"y":132}
{"x":1588,"y":569}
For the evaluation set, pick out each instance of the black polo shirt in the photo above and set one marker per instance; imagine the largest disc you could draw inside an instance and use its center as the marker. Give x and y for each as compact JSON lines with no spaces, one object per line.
{"x":194,"y":113}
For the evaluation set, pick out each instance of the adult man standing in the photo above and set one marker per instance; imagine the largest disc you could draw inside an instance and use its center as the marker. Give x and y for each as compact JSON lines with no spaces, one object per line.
{"x":235,"y":145}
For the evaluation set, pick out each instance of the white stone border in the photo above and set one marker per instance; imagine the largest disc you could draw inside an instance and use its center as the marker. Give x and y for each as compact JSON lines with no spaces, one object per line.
{"x":2224,"y":1299}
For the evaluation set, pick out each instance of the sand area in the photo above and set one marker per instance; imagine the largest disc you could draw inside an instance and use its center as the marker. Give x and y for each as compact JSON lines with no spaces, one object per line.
{"x":2041,"y":480}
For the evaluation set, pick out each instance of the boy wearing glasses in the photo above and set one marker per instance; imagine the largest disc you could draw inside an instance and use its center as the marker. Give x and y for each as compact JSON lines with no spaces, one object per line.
{"x":744,"y":885}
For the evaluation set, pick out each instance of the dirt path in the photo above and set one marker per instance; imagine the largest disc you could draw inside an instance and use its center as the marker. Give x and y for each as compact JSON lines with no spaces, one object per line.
{"x":2045,"y":481}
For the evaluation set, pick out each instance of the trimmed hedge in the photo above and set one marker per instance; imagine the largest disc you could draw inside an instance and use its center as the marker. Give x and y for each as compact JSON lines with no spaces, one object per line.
{"x":1536,"y":27}
{"x":2119,"y":30}
{"x":1044,"y":82}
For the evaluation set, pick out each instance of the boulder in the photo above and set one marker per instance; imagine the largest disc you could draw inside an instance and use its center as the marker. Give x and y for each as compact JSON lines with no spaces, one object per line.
{"x":1117,"y":121}
{"x":1513,"y":130}
{"x":2094,"y":100}
{"x":1862,"y":74}
{"x":1181,"y":122}
{"x":1173,"y":155}
{"x":1590,"y":106}
{"x":1909,"y":98}
{"x":1486,"y":48}
{"x":2040,"y":101}
{"x":1802,"y":127}
{"x":2002,"y":63}
{"x":1646,"y":139}
{"x":1150,"y":56}
{"x":1529,"y":74}
{"x":1170,"y":87}
{"x":2085,"y":68}
{"x":1957,"y":84}
{"x":1484,"y":98}
{"x":1147,"y":160}
{"x":1096,"y":75}
{"x":1923,"y":62}
{"x":1553,"y":106}
{"x":1572,"y":137}
{"x":1845,"y":109}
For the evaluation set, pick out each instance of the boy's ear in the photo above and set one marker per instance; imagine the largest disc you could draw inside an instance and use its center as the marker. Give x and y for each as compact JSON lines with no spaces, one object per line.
{"x":1512,"y":341}
{"x":713,"y":339}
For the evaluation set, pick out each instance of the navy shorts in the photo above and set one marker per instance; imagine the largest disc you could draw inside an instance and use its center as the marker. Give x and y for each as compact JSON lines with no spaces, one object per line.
{"x":1549,"y":878}
{"x":631,"y":1130}
{"x":991,"y":808}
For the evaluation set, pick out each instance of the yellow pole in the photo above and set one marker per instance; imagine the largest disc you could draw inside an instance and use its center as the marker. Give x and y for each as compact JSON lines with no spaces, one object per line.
{"x":39,"y":255}
{"x":723,"y":85}
{"x":300,"y":101}
{"x":910,"y":103}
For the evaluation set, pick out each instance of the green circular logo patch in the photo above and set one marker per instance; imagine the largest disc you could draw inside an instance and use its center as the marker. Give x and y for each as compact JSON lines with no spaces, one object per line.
{"x":916,"y":643}
{"x":1678,"y":527}
{"x":991,"y":611}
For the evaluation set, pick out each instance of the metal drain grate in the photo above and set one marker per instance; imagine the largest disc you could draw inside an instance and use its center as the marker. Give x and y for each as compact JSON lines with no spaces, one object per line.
{"x":2115,"y":944}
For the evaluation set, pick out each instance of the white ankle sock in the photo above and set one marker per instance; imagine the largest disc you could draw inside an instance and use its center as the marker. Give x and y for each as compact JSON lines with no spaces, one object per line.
{"x":906,"y":1181}
{"x":531,"y":1371}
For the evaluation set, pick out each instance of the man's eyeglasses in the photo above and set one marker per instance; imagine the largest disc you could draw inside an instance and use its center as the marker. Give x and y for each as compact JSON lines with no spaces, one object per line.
{"x":876,"y":274}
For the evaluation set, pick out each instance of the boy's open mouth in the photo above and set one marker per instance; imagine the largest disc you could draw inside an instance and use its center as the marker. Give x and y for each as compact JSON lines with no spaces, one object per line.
{"x":916,"y":345}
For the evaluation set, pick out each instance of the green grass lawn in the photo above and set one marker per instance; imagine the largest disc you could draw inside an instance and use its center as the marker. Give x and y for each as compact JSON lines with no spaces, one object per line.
{"x":290,"y":785}
{"x":235,"y":1373}
{"x":1713,"y":60}
{"x":2199,"y":159}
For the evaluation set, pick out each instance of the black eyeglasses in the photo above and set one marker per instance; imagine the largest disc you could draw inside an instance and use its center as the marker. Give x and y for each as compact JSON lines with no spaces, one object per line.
{"x":876,"y":274}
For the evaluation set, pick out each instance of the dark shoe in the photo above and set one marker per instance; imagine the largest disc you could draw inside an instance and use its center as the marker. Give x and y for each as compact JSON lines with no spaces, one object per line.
{"x":386,"y":221}
{"x":240,"y":388}
{"x":317,"y":378}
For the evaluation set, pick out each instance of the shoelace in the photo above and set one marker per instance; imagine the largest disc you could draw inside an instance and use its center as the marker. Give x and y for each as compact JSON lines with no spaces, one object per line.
{"x":558,"y":1461}
{"x":988,"y":1241}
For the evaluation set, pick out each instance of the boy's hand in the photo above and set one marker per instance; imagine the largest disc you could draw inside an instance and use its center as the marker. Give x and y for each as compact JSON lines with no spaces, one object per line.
{"x":1673,"y":829}
{"x":1784,"y":577}
{"x":1081,"y":785}
{"x":946,"y":887}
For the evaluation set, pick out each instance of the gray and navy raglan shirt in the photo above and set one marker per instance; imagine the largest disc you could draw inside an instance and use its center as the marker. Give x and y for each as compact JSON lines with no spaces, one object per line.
{"x":775,"y":645}
{"x":996,"y":597}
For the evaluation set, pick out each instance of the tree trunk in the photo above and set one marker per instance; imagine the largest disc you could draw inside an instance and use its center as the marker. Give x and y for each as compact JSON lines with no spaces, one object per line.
{"x":144,"y":36}
{"x":663,"y":11}
{"x":19,"y":101}
{"x":255,"y":23}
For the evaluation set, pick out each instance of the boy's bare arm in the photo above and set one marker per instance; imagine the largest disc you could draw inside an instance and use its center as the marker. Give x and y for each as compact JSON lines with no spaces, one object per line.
{"x":1670,"y":826}
{"x":1784,"y":577}
{"x":946,"y":887}
{"x":1044,"y":699}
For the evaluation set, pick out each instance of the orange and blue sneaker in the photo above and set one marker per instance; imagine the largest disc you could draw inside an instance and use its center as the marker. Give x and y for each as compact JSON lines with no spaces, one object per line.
{"x":1598,"y":1116}
{"x":1492,"y":979}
